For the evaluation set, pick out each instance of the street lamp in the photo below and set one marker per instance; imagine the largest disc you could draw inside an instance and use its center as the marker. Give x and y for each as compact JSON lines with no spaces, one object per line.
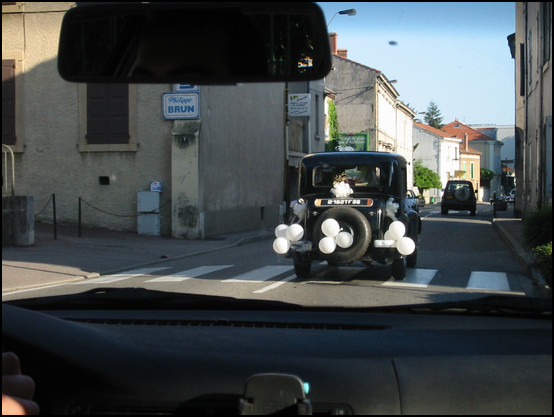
{"x":349,"y":12}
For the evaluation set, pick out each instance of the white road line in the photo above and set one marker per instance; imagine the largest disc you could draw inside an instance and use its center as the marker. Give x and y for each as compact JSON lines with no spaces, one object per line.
{"x":419,"y":278}
{"x":488,"y":281}
{"x":275,"y":285}
{"x":191,"y":273}
{"x":260,"y":274}
{"x":119,"y":277}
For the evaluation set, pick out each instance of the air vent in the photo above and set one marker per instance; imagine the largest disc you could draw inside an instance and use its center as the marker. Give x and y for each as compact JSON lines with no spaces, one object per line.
{"x":230,"y":323}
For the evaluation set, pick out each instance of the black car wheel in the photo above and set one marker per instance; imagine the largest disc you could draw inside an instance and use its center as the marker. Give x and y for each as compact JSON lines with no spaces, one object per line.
{"x":302,"y":269}
{"x":352,"y":221}
{"x":399,"y":268}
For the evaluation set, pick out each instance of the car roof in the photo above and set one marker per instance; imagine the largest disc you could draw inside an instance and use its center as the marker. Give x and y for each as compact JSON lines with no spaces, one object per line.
{"x":361,"y":157}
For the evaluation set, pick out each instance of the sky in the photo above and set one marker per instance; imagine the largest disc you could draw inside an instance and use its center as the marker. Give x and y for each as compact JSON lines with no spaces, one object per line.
{"x":453,"y":54}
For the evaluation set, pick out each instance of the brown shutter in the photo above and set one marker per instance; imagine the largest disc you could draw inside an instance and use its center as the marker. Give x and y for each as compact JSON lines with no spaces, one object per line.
{"x":8,"y":102}
{"x":107,"y":114}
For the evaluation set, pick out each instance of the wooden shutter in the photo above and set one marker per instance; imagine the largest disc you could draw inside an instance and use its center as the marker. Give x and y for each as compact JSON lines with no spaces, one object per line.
{"x":107,"y":114}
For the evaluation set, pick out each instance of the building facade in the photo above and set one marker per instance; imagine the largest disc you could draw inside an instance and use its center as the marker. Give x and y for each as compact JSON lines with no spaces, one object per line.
{"x":490,"y":154}
{"x":531,"y":48}
{"x":367,"y":103}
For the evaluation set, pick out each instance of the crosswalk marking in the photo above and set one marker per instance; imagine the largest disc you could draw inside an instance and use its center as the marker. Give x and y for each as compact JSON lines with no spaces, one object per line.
{"x":190,"y":273}
{"x":275,"y":284}
{"x":415,"y":277}
{"x":260,"y":274}
{"x":488,"y":281}
{"x":119,"y":277}
{"x":419,"y":278}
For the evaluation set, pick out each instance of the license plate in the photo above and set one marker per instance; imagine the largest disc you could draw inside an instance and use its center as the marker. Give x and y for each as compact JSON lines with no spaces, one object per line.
{"x":360,"y":202}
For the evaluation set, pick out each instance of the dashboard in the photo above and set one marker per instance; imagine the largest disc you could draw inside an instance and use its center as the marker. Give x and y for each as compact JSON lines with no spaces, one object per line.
{"x":198,"y":362}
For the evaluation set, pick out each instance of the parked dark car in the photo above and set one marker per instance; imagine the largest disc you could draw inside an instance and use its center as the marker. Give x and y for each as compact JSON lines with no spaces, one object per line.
{"x":459,"y":195}
{"x":362,"y":194}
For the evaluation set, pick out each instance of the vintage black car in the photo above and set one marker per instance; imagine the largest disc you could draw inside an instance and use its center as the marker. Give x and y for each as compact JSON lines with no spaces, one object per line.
{"x":347,"y":203}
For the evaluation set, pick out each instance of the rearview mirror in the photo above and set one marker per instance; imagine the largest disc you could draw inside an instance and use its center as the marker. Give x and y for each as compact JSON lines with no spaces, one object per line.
{"x":194,"y":43}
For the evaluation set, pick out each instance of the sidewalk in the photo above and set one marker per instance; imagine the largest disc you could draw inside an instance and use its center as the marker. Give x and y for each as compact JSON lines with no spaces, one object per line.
{"x":510,"y":229}
{"x":99,"y":252}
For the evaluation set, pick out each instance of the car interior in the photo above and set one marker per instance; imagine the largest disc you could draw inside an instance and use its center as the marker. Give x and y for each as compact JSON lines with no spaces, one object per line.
{"x":124,"y":351}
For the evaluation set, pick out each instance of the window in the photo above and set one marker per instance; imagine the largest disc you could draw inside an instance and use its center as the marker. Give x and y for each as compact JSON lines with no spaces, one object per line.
{"x":107,"y":114}
{"x":8,"y":102}
{"x":12,"y":65}
{"x":472,"y":170}
{"x":107,"y":118}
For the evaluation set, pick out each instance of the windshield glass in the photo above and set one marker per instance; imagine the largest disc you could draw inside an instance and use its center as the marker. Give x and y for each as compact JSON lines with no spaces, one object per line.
{"x":214,"y":190}
{"x":358,"y":177}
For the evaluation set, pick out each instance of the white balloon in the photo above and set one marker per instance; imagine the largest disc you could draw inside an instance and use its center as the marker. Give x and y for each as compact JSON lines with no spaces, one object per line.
{"x":397,"y":230}
{"x":281,"y":245}
{"x":330,"y":227}
{"x":344,"y":240}
{"x":294,"y":232}
{"x":327,"y":245}
{"x":405,"y":246}
{"x":281,"y":230}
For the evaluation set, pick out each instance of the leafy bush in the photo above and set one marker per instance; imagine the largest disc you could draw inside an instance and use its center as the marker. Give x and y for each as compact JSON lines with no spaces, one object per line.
{"x":544,"y":257}
{"x":537,"y":227}
{"x":424,"y":178}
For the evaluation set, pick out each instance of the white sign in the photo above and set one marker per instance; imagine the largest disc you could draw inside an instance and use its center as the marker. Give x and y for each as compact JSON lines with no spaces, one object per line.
{"x":181,"y":106}
{"x":185,"y":88}
{"x":156,"y":186}
{"x":299,"y":104}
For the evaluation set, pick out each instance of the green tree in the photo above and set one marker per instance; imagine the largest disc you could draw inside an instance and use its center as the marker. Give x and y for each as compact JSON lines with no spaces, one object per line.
{"x":433,"y":116}
{"x":424,"y":178}
{"x":486,"y":176}
{"x":333,"y":127}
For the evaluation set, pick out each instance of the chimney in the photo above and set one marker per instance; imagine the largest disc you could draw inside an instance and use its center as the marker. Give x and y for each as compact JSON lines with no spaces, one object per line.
{"x":466,"y":142}
{"x":342,"y":53}
{"x":333,"y":42}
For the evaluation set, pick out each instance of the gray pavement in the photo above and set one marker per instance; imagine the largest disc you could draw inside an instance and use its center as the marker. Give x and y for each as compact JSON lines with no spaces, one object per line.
{"x":69,"y":257}
{"x":66,"y":257}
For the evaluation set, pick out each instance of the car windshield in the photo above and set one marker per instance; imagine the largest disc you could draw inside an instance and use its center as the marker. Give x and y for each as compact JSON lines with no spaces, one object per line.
{"x":189,"y":189}
{"x":453,"y":186}
{"x":360,"y":177}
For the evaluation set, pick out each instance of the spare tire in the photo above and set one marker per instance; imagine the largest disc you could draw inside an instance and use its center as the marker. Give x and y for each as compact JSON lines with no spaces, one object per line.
{"x":352,"y":221}
{"x":462,"y":194}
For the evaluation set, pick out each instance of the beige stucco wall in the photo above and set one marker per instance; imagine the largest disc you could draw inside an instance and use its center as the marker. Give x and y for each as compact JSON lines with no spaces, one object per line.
{"x":231,"y":177}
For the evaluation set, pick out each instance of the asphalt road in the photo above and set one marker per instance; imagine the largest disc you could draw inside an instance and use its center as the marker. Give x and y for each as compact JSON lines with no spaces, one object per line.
{"x":459,"y":256}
